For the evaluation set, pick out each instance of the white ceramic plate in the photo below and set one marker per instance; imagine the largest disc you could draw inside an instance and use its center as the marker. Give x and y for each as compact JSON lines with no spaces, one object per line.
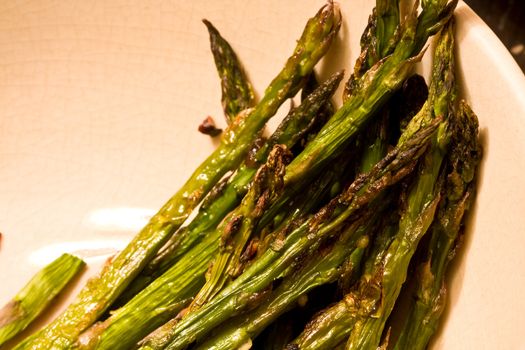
{"x":99,"y":104}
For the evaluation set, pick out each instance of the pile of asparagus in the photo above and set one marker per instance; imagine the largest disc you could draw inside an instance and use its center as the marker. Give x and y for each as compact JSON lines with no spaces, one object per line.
{"x":304,"y":239}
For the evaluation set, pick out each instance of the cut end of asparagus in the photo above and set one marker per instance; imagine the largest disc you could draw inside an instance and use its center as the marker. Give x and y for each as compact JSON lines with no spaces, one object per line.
{"x":37,"y":295}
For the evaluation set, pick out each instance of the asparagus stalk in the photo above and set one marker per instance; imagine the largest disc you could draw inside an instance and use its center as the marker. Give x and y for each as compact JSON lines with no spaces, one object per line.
{"x":378,"y":83}
{"x":160,"y":301}
{"x":319,"y":270}
{"x":298,"y":123}
{"x":331,"y":326}
{"x":237,"y":96}
{"x":237,"y":230}
{"x":271,"y":265}
{"x":286,"y":216}
{"x":37,"y":295}
{"x":387,"y":24}
{"x":102,"y":291}
{"x":187,"y":271}
{"x":323,"y":115}
{"x":323,"y":267}
{"x":327,"y":329}
{"x":458,"y":194}
{"x":384,"y":80}
{"x":368,"y":95}
{"x":237,"y":92}
{"x":337,"y":138}
{"x":391,"y":73}
{"x":433,"y":17}
{"x":377,"y":41}
{"x":163,"y":284}
{"x":227,"y":195}
{"x":382,"y":24}
{"x":139,"y":317}
{"x":265,"y":189}
{"x":423,"y":197}
{"x":316,"y":190}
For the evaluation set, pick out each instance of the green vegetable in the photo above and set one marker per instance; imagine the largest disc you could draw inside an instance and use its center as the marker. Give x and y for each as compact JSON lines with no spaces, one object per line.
{"x":369,"y":93}
{"x":457,"y":197}
{"x":378,"y":291}
{"x":102,"y":291}
{"x":227,"y":195}
{"x":275,"y":261}
{"x":237,"y":92}
{"x":321,"y":268}
{"x":37,"y":295}
{"x":331,"y":326}
{"x":322,"y":204}
{"x":137,"y":318}
{"x":377,"y":41}
{"x":237,"y":229}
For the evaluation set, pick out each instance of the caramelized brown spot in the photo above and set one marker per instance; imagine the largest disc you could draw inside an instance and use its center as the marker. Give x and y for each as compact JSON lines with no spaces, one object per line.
{"x":10,"y":312}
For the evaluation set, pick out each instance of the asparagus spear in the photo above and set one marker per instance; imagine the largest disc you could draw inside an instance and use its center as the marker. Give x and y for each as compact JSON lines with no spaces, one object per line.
{"x":37,"y":295}
{"x":299,"y":122}
{"x":323,"y":115}
{"x":458,"y":195}
{"x":137,"y":318}
{"x":331,"y":326}
{"x":382,"y":24}
{"x":160,"y":301}
{"x":377,"y":41}
{"x":433,"y":17}
{"x":101,"y":291}
{"x":338,"y":130}
{"x":317,"y":272}
{"x":226,"y":195}
{"x":417,"y":217}
{"x":387,"y":24}
{"x":237,"y":230}
{"x":275,"y":261}
{"x":140,"y":315}
{"x":316,"y":194}
{"x":347,"y":120}
{"x":265,"y":189}
{"x":389,"y":74}
{"x":160,"y":290}
{"x":369,"y":94}
{"x":320,"y":269}
{"x":386,"y":77}
{"x":237,"y":96}
{"x":237,"y":92}
{"x":188,"y":271}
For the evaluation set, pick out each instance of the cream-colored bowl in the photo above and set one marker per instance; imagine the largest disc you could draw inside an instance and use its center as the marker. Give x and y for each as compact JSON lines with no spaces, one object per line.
{"x":99,"y":105}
